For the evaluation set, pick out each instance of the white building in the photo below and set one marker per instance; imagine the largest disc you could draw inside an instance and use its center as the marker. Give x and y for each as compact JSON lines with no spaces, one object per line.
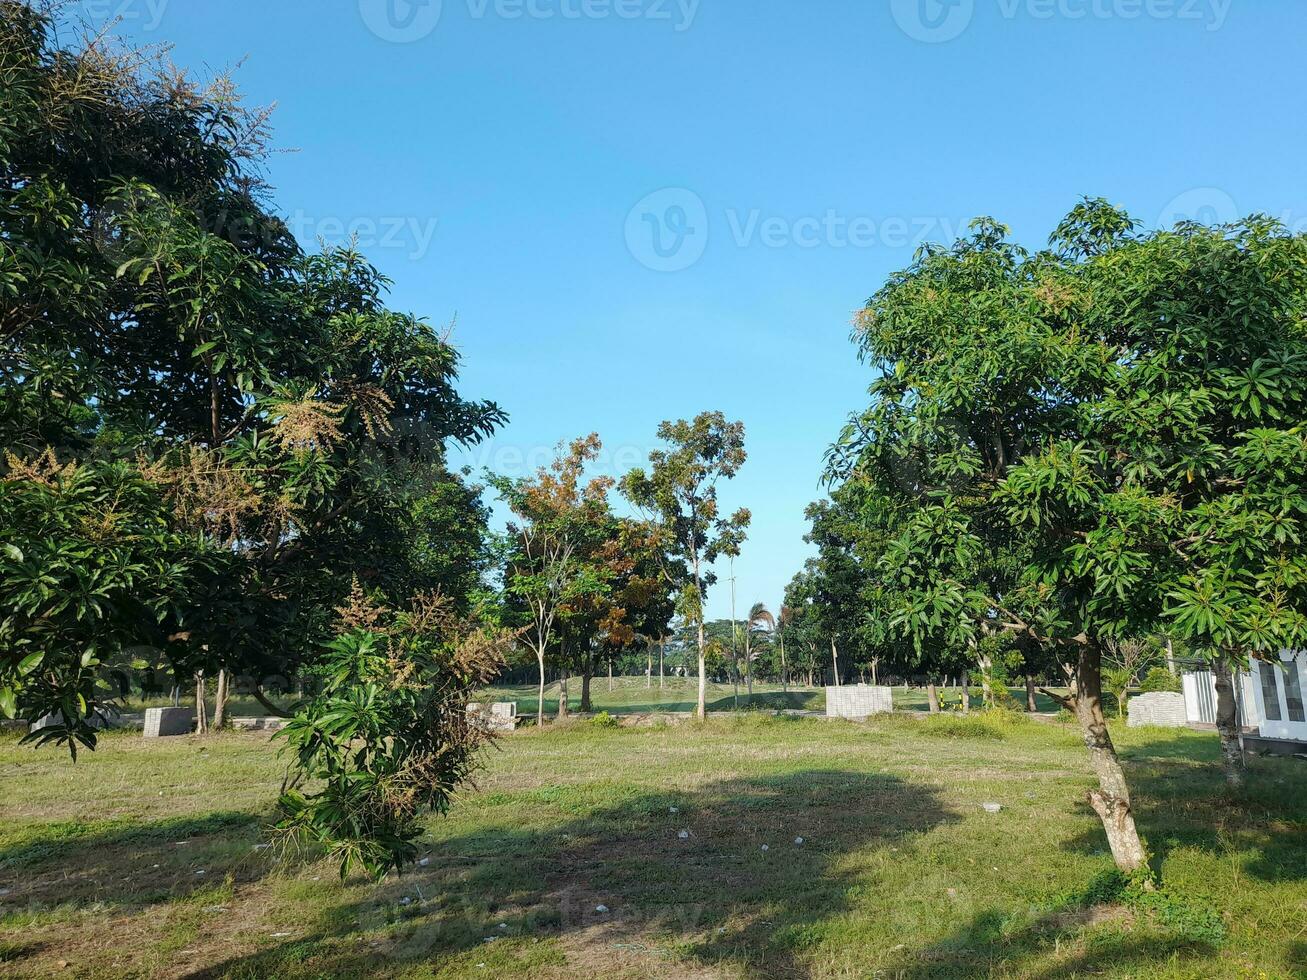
{"x":1269,"y":699}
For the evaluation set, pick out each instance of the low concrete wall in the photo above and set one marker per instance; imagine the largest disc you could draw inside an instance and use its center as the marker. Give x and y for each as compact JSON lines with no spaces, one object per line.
{"x":1164,"y":709}
{"x":163,"y":722}
{"x":858,"y":701}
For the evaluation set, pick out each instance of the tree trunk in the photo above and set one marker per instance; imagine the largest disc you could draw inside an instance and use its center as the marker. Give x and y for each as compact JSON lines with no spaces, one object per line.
{"x":610,"y":677}
{"x":1111,"y":801}
{"x":1170,"y":657}
{"x":835,"y":660}
{"x":785,"y":684}
{"x":748,"y":667}
{"x":587,"y":669}
{"x":220,"y":701}
{"x":563,"y":706}
{"x":201,"y":709}
{"x":648,"y":669}
{"x":1227,"y":722}
{"x":540,"y":698}
{"x":932,"y":698}
{"x":965,"y":687}
{"x":986,"y":690}
{"x":1031,"y":705}
{"x":662,"y":650}
{"x":701,"y":709}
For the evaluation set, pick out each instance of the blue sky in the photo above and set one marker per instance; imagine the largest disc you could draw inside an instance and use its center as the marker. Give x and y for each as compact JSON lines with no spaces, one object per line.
{"x":641,"y":209}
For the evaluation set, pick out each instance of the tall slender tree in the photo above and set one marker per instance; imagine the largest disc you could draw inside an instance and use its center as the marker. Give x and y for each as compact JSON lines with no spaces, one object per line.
{"x":679,"y":491}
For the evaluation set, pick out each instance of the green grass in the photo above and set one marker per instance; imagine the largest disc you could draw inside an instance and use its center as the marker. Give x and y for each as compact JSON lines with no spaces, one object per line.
{"x":901,"y":873}
{"x":638,"y":695}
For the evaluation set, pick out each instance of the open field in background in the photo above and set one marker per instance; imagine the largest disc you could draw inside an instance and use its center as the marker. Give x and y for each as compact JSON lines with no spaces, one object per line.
{"x":900,"y":871}
{"x":634,"y":695}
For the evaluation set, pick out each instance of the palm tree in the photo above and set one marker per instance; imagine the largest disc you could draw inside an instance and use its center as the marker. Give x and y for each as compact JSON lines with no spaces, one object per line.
{"x":759,"y":618}
{"x":786,"y":617}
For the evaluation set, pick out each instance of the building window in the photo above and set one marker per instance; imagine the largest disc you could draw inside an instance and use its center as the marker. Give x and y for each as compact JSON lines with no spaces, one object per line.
{"x":1270,"y":692}
{"x":1293,"y":691}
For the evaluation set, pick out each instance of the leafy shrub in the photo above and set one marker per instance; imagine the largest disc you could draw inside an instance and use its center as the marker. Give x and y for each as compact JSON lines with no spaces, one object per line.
{"x":604,"y":720}
{"x":1160,"y":679}
{"x":389,"y":736}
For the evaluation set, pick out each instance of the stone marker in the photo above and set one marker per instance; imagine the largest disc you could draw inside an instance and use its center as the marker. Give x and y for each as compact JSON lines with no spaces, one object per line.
{"x":498,"y":717}
{"x":858,"y":701}
{"x":97,"y":721}
{"x":162,"y":722}
{"x":1165,"y":709}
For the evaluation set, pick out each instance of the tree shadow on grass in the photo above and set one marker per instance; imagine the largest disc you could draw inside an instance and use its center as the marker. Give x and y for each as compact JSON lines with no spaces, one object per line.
{"x":127,"y":863}
{"x":1036,"y":946}
{"x":1183,"y":802}
{"x":618,"y":880}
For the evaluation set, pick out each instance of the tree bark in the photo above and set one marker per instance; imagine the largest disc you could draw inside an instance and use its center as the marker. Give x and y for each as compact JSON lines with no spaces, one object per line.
{"x":932,"y":697}
{"x":201,"y":708}
{"x":268,"y":706}
{"x":587,"y":669}
{"x":220,"y":701}
{"x":785,"y":684}
{"x":662,"y":650}
{"x":835,"y":661}
{"x":1031,"y":705}
{"x":540,"y":697}
{"x":1227,"y":723}
{"x":701,"y":709}
{"x":563,"y":706}
{"x":748,"y":665}
{"x":1111,"y":800}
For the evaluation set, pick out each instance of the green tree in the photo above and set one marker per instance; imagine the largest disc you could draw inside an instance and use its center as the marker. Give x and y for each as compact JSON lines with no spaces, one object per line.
{"x":273,"y":428}
{"x":1049,"y":417}
{"x":680,"y":491}
{"x":561,"y":522}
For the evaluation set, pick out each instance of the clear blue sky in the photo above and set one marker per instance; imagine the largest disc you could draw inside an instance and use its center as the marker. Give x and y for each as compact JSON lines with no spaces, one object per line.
{"x":491,"y":159}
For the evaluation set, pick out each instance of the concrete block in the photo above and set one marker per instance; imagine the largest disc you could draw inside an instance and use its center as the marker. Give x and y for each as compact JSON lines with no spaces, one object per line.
{"x":1164,"y":709}
{"x":162,"y":722}
{"x":858,"y":701}
{"x":498,"y":717}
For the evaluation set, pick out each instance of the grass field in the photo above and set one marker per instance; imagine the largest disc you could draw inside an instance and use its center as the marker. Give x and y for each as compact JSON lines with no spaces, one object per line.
{"x":636,"y":695}
{"x":141,"y":859}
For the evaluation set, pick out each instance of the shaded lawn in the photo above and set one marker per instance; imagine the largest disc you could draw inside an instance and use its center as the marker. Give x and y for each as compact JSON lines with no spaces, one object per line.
{"x":900,"y":870}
